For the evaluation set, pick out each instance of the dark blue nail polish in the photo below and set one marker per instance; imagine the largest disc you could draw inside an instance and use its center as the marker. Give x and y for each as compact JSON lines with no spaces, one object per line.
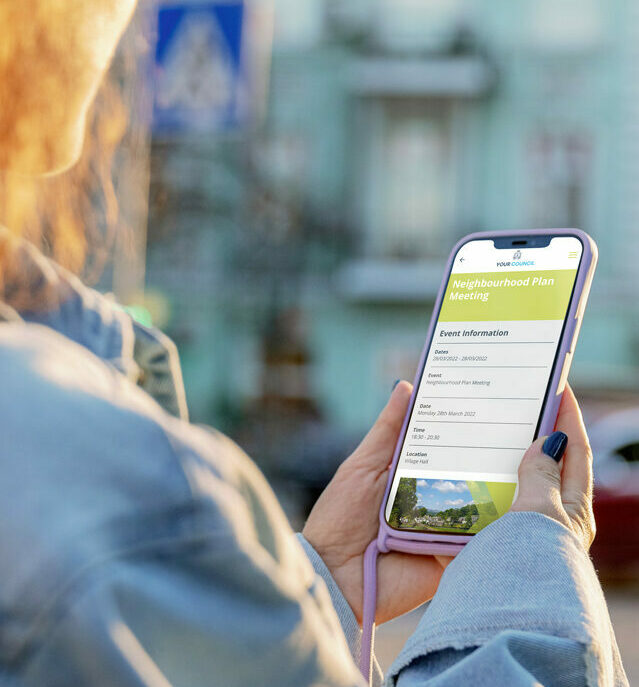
{"x":397,"y":381}
{"x":555,"y":445}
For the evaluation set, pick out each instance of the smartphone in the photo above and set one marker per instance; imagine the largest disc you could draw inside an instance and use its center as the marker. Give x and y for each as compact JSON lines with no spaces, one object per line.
{"x":490,"y":380}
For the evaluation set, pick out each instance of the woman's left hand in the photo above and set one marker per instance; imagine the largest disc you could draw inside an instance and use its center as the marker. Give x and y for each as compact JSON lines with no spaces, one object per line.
{"x":345,"y":520}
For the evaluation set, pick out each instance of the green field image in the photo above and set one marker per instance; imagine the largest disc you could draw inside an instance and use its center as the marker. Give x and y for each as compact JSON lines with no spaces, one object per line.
{"x":459,"y":506}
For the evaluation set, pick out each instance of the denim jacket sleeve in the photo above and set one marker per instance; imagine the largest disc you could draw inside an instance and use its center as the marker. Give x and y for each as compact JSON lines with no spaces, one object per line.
{"x":138,"y":549}
{"x":198,"y":603}
{"x":352,"y":630}
{"x":520,"y":605}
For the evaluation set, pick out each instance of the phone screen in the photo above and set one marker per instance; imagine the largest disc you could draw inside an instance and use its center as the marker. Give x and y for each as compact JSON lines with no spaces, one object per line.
{"x":483,"y":386}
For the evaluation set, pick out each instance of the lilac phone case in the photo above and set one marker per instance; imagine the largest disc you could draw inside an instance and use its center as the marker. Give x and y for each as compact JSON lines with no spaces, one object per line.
{"x":430,"y":543}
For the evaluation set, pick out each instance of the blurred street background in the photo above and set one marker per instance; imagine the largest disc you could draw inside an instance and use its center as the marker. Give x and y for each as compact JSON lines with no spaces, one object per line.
{"x":309,"y":166}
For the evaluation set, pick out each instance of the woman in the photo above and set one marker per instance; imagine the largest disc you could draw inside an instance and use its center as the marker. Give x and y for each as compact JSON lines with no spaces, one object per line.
{"x":139,"y":550}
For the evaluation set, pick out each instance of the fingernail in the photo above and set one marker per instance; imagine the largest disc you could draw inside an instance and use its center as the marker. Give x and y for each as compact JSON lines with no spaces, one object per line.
{"x":555,"y":445}
{"x":397,"y":381}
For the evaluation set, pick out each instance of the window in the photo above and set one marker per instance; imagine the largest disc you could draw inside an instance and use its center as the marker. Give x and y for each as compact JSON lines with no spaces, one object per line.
{"x":559,"y":172}
{"x":408,"y":192}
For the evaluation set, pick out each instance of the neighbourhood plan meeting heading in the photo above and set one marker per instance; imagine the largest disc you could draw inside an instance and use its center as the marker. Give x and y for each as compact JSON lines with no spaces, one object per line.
{"x":465,"y":289}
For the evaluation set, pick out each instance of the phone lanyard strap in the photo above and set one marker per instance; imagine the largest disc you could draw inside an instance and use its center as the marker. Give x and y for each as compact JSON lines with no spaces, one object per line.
{"x":368,"y":610}
{"x":384,"y":545}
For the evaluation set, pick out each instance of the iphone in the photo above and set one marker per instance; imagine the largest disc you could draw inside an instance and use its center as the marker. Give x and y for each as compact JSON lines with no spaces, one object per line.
{"x":490,"y":380}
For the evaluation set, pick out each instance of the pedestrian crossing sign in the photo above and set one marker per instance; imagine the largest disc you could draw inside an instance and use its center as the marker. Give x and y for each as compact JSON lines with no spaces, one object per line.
{"x":199,"y":80}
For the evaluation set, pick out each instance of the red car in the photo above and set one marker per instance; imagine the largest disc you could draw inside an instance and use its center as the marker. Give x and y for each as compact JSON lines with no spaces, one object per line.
{"x":615,"y":444}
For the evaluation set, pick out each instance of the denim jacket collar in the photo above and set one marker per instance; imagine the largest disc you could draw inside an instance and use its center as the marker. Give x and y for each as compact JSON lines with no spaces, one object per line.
{"x":59,"y":300}
{"x":143,"y":354}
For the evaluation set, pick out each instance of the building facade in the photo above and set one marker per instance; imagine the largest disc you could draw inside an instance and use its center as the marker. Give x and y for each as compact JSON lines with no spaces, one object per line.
{"x":300,"y":258}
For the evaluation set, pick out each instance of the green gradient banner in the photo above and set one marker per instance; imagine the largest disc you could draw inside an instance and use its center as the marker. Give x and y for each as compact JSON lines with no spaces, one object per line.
{"x":499,"y":296}
{"x":492,"y":499}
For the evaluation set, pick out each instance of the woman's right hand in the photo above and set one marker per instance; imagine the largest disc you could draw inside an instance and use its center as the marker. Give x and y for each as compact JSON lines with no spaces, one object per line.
{"x":561,"y":490}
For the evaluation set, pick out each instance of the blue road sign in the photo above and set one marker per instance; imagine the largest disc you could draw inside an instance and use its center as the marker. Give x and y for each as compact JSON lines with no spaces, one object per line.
{"x":199,"y":78}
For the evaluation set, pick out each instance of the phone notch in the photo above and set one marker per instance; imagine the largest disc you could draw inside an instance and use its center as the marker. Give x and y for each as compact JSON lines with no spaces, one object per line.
{"x":522,"y":241}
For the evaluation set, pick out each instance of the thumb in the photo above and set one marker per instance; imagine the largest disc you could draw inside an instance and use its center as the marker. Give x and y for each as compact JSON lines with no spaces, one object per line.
{"x":540,"y":477}
{"x":376,"y":449}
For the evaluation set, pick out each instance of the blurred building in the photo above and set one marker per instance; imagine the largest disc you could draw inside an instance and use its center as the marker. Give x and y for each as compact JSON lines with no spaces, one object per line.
{"x":298,"y":259}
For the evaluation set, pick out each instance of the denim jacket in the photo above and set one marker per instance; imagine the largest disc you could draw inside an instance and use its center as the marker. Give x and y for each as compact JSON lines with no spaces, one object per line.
{"x":136,"y":549}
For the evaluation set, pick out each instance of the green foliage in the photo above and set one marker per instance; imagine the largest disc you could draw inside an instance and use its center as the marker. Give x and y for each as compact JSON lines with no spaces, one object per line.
{"x":465,"y":511}
{"x":405,"y":501}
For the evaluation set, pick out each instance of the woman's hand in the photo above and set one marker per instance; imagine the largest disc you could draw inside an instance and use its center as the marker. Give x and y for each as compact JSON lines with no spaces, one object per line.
{"x":345,"y":520}
{"x":561,"y":490}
